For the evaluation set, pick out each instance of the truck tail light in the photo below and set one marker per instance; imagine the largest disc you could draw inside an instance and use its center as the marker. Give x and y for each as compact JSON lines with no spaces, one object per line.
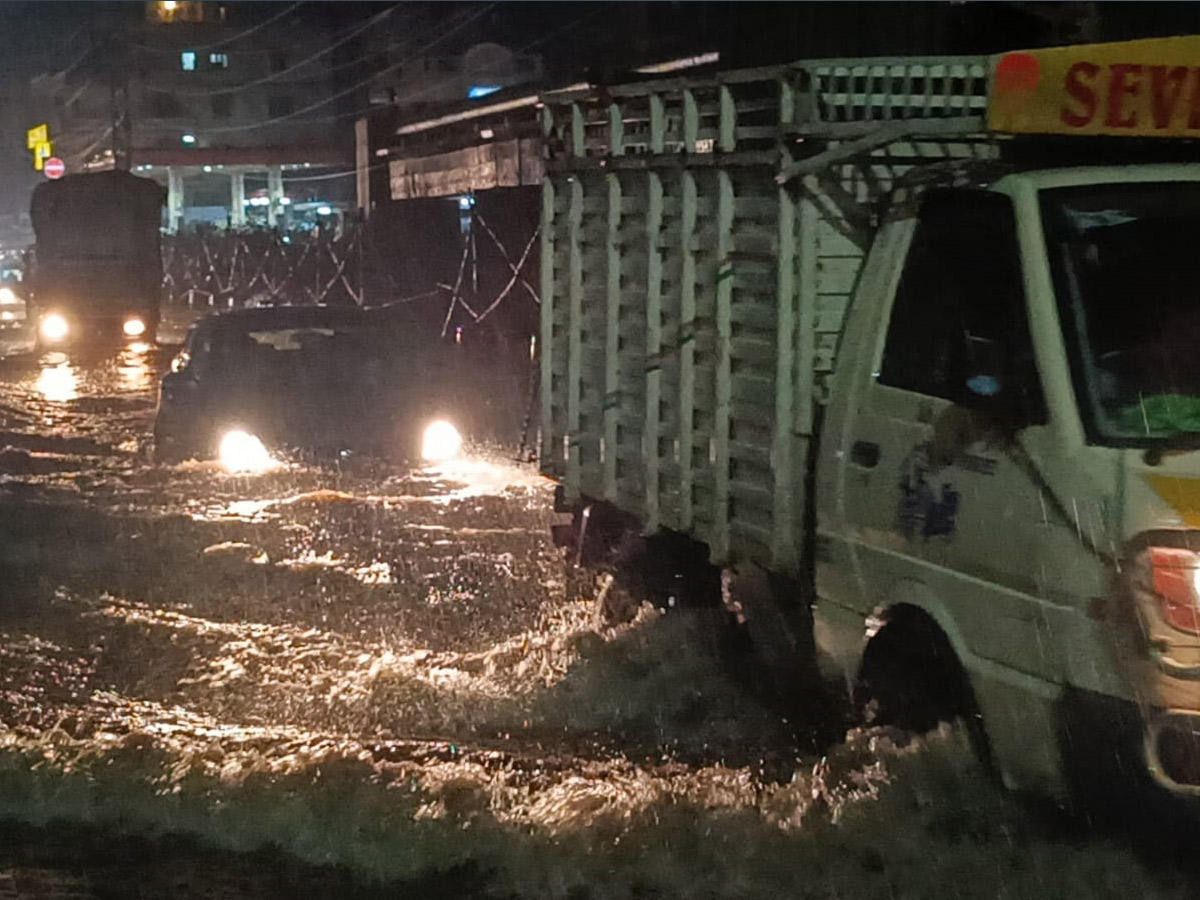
{"x":1176,"y":579}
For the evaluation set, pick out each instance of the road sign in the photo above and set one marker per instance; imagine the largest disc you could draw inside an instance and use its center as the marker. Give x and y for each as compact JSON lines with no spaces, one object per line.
{"x":39,"y":134}
{"x":54,"y":167}
{"x":37,"y":139}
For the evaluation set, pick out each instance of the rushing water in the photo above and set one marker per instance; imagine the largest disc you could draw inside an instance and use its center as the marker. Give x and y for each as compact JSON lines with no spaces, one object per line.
{"x":393,"y":672}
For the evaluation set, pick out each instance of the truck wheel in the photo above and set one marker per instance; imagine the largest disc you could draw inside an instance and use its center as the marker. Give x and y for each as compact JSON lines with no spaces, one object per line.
{"x":911,"y":679}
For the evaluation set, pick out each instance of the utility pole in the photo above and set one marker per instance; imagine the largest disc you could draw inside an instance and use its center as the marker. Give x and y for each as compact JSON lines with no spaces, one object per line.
{"x":122,"y":130}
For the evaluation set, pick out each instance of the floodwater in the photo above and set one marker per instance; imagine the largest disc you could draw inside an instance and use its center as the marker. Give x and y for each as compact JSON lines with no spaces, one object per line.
{"x":364,"y":681}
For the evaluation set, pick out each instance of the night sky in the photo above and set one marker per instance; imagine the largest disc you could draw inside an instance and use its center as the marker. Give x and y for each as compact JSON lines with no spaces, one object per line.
{"x":39,"y":36}
{"x":597,"y":41}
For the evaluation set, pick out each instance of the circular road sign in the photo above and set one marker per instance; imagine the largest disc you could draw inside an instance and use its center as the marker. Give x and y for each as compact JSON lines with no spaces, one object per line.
{"x":54,"y":167}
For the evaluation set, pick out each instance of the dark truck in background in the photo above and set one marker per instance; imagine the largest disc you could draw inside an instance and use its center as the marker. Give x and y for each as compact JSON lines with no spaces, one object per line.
{"x":97,"y":271}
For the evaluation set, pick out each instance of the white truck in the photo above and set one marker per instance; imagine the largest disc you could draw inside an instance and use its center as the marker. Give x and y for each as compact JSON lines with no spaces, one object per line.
{"x":913,"y":341}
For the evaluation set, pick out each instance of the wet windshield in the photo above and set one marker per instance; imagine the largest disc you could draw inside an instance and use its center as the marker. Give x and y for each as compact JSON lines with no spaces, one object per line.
{"x":1126,"y":268}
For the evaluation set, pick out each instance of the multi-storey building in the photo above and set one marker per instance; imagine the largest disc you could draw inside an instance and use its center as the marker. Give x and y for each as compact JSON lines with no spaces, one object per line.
{"x":232,"y":117}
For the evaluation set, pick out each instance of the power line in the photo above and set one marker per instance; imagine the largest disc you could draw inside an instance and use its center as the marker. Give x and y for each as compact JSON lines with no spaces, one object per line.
{"x":249,"y":31}
{"x":208,"y":92}
{"x":433,"y":86}
{"x":233,"y":38}
{"x":348,"y":173}
{"x":247,"y":127}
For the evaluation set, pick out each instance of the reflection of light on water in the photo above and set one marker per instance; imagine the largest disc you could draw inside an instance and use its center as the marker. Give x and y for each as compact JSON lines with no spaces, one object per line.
{"x":375,"y":573}
{"x":133,"y":367}
{"x":58,"y":384}
{"x":480,"y":477}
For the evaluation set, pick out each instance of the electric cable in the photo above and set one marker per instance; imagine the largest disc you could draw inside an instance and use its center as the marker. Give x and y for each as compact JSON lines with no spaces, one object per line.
{"x":228,"y":129}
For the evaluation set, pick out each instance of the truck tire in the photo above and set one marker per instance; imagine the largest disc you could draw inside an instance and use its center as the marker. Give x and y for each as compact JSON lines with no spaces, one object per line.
{"x":911,"y":679}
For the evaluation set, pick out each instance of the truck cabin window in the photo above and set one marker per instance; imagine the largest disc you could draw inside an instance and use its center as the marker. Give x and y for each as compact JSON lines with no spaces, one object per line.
{"x":1126,"y":268}
{"x":958,"y":327}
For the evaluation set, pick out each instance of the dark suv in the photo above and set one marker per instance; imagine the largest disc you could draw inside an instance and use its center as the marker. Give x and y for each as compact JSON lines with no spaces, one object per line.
{"x":316,"y":380}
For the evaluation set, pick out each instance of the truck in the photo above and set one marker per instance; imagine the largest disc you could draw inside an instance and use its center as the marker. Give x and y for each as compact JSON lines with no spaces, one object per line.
{"x":97,"y":270}
{"x":903,"y":350}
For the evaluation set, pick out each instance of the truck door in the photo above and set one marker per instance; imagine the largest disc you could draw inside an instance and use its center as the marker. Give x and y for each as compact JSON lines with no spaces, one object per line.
{"x":935,"y":505}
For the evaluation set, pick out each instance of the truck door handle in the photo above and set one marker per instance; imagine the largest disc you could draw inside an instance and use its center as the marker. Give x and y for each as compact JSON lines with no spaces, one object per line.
{"x":865,"y":454}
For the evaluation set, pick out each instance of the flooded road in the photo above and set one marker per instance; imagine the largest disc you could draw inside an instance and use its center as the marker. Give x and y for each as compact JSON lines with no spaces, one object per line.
{"x":380,"y":681}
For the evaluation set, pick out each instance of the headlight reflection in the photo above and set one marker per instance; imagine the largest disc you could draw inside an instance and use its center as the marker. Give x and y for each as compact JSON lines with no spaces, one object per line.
{"x":58,"y":383}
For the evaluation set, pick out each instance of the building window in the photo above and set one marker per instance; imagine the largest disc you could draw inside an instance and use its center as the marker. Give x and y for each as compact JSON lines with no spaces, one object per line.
{"x":218,"y":60}
{"x":279,"y":105}
{"x":187,"y":60}
{"x":222,"y":106}
{"x":162,"y":105}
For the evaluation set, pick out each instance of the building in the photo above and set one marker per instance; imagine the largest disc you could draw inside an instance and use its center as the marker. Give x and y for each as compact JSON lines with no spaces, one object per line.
{"x":237,"y":119}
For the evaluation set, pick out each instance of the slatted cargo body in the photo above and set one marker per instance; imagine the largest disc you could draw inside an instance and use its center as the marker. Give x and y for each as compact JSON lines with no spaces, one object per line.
{"x":692,"y":305}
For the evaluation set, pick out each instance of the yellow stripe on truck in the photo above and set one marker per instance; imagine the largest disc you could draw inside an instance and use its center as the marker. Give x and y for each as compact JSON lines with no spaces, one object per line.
{"x":1181,"y":494}
{"x":1146,"y":88}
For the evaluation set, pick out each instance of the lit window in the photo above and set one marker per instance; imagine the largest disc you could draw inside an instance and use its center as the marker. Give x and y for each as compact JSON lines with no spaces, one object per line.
{"x":218,"y":60}
{"x":187,"y":60}
{"x":481,"y":90}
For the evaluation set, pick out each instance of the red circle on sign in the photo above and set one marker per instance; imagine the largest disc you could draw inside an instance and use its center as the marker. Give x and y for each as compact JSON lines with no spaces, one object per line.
{"x":1017,"y":73}
{"x":54,"y":167}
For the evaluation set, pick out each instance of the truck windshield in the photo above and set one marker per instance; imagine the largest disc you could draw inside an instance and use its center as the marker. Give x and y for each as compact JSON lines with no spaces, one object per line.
{"x":1126,"y":266}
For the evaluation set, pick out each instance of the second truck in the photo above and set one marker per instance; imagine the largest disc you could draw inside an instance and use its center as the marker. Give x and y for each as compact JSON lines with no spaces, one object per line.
{"x":97,"y":272}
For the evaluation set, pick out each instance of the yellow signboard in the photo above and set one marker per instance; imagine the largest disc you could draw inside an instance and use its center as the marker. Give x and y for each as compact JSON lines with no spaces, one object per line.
{"x":37,"y":139}
{"x":1146,"y":88}
{"x":39,"y":134}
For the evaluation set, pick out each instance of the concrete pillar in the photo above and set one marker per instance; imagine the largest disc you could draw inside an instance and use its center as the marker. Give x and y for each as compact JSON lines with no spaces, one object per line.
{"x":362,"y":167}
{"x":237,"y":200}
{"x":175,"y":199}
{"x":274,"y":193}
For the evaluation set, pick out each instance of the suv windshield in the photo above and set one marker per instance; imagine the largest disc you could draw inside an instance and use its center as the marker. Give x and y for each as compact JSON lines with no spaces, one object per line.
{"x":1126,"y":265}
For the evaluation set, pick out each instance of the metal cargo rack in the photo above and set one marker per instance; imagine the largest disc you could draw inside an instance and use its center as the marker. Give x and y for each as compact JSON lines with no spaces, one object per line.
{"x":701,"y":240}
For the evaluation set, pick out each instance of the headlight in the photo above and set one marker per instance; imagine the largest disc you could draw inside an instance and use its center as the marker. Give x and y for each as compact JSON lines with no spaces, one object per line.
{"x":1175,"y":574}
{"x":134,"y":327}
{"x":243,"y":452}
{"x":441,"y":442}
{"x":54,"y":327}
{"x":7,"y":295}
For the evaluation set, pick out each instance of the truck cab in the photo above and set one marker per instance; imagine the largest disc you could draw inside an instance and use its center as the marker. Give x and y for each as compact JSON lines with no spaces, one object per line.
{"x":915,"y":342}
{"x":1012,"y":420}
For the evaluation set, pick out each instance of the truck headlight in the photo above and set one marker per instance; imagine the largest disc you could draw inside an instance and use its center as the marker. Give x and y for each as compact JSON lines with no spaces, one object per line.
{"x":1175,"y":576}
{"x":240,"y":451}
{"x":441,"y":442}
{"x":54,"y":327}
{"x":134,"y":327}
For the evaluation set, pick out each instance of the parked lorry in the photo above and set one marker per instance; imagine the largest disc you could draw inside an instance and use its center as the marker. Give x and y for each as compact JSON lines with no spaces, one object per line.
{"x":97,"y":258}
{"x":905,"y":349}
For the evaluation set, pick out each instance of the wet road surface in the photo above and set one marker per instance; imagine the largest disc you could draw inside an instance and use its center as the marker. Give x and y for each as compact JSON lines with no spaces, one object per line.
{"x":368,"y":681}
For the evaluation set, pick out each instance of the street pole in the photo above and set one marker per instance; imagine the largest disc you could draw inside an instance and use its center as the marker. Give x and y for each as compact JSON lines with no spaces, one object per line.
{"x":119,"y":94}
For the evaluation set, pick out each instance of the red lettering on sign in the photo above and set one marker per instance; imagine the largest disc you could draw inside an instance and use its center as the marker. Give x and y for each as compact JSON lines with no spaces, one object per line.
{"x":1166,"y":87}
{"x":1194,"y":117}
{"x":1082,"y":93}
{"x":1125,"y":80}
